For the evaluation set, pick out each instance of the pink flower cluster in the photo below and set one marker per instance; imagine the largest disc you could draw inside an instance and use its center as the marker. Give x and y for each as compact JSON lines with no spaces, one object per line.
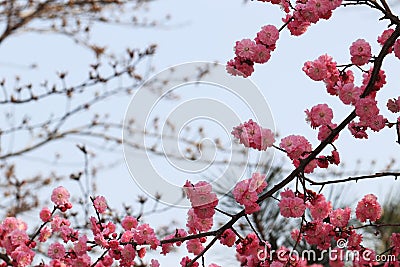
{"x":367,"y":109}
{"x":395,"y":243}
{"x":328,"y":224}
{"x":73,"y":250}
{"x":342,"y":85}
{"x":249,"y":51}
{"x":202,"y":198}
{"x":60,"y":197}
{"x":368,"y":208}
{"x":393,"y":105}
{"x":319,"y":115}
{"x":200,"y":217}
{"x":228,"y":238}
{"x":324,"y":161}
{"x":250,"y":134}
{"x":291,"y":205}
{"x":319,"y":207}
{"x":246,"y":192}
{"x":360,"y":52}
{"x":309,"y":12}
{"x":15,"y":241}
{"x":397,"y":48}
{"x":100,"y":204}
{"x":297,"y":148}
{"x":384,"y":37}
{"x":248,"y":251}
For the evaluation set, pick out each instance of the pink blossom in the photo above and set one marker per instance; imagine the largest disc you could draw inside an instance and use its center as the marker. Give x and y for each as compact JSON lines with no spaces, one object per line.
{"x":60,"y":196}
{"x":45,"y":214}
{"x":384,"y":37}
{"x":44,"y":234}
{"x":316,"y":70}
{"x":322,"y":162}
{"x":368,"y":208}
{"x":318,"y":233}
{"x":308,"y":11}
{"x":202,"y":199}
{"x":358,"y":130}
{"x":248,"y":246}
{"x":296,"y":235}
{"x":395,"y":242}
{"x":80,"y":246}
{"x":261,"y":54}
{"x":257,"y":183}
{"x":376,"y":123}
{"x":290,"y":205}
{"x":228,"y":238}
{"x":22,"y":256}
{"x":295,"y":146}
{"x":340,"y":217}
{"x":129,"y":222}
{"x":144,"y":234}
{"x":83,"y":260}
{"x":250,"y":134}
{"x":154,"y":263}
{"x":56,"y":251}
{"x":167,"y":247}
{"x":57,"y":222}
{"x":245,"y":192}
{"x":186,"y":260}
{"x":309,"y":168}
{"x":127,"y":236}
{"x":18,"y":237}
{"x":360,"y":52}
{"x":268,"y":35}
{"x":263,"y":139}
{"x":245,"y":49}
{"x":320,"y":208}
{"x":393,"y":105}
{"x":194,"y":246}
{"x":128,"y":253}
{"x":335,"y":158}
{"x":320,"y":114}
{"x":397,"y":48}
{"x":354,"y":240}
{"x":196,"y":224}
{"x":366,"y":108}
{"x":325,"y":130}
{"x":379,"y":83}
{"x":333,"y":4}
{"x":296,"y":24}
{"x":237,"y":67}
{"x":100,"y":240}
{"x":100,"y":204}
{"x":349,"y":94}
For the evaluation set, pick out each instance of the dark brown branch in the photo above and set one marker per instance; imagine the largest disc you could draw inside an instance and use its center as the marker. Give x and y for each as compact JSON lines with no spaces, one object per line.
{"x":6,"y":259}
{"x":356,"y":178}
{"x":378,"y":225}
{"x":23,"y":21}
